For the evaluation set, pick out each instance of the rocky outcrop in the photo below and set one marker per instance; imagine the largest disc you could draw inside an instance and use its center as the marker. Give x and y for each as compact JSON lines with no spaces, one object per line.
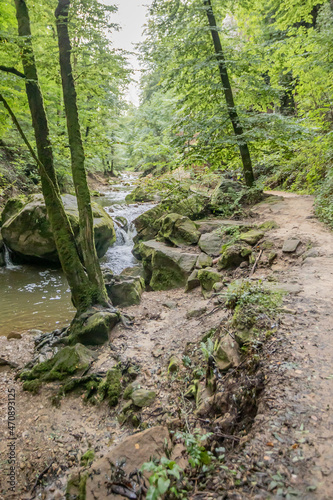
{"x":27,"y":231}
{"x":178,"y":230}
{"x":165,"y":267}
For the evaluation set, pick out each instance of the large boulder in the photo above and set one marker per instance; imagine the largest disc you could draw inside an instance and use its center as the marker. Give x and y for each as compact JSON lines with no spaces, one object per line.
{"x":178,"y":230}
{"x":165,"y":267}
{"x":27,"y":232}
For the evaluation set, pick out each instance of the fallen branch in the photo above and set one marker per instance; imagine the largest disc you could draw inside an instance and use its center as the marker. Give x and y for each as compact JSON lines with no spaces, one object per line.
{"x":40,"y":477}
{"x":256,"y":262}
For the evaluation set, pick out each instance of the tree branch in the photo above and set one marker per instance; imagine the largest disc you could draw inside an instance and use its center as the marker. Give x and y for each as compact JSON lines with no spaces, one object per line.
{"x":12,"y":70}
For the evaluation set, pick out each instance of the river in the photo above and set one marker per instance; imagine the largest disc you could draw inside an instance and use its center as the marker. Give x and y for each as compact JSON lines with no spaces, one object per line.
{"x":34,"y":297}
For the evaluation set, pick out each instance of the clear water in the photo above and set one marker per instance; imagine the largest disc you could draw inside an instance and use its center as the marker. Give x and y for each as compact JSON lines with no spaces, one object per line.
{"x":38,"y":297}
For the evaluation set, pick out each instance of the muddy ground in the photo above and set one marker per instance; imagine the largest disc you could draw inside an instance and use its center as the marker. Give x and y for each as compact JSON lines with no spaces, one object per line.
{"x":286,"y":448}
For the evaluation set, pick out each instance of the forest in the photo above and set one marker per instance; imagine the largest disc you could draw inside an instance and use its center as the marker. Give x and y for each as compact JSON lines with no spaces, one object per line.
{"x":166,"y":267}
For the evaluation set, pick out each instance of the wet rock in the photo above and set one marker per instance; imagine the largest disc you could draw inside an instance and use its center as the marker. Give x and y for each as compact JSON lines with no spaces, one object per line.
{"x":14,"y":335}
{"x":165,"y":267}
{"x":132,"y":272}
{"x":233,"y":255}
{"x":252,"y":237}
{"x":193,"y":281}
{"x":208,"y":277}
{"x":211,"y":243}
{"x":121,"y":221}
{"x":290,"y":245}
{"x":93,"y":329}
{"x":178,"y":230}
{"x":27,"y":233}
{"x":204,"y":260}
{"x":142,"y":397}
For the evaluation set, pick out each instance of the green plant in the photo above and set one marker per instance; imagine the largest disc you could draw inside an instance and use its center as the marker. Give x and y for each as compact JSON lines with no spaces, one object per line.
{"x":165,"y":478}
{"x":199,"y":457}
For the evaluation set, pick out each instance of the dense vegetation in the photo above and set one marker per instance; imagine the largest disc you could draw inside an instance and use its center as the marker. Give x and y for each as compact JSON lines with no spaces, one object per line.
{"x":278,"y":57}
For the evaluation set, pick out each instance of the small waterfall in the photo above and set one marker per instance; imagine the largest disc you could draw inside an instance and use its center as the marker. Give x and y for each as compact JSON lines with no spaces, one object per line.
{"x":8,"y":261}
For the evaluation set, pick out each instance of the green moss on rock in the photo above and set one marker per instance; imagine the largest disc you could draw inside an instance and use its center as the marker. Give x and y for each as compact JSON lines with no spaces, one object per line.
{"x":93,"y":329}
{"x":233,"y":255}
{"x":66,"y":362}
{"x":208,"y":277}
{"x":87,"y":458}
{"x":178,"y":230}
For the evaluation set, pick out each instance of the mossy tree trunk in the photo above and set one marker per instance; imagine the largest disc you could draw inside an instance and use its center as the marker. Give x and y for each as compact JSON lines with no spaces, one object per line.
{"x":233,"y":115}
{"x":83,"y":294}
{"x":90,"y":258}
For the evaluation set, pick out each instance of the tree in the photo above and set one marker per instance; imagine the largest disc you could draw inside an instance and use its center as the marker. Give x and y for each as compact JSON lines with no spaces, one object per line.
{"x":87,"y":289}
{"x":233,"y":115}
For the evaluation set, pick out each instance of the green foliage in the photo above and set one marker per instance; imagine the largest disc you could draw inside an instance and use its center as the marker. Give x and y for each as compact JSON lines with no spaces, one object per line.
{"x":199,"y":457}
{"x":246,"y":293}
{"x":165,"y":478}
{"x":101,"y":75}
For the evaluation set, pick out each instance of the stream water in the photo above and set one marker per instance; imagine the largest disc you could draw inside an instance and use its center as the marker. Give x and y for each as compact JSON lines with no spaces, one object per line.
{"x":39,"y":297}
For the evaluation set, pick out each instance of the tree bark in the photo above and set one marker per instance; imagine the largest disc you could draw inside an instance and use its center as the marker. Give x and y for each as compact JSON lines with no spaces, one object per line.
{"x":90,"y":258}
{"x":77,"y":278}
{"x":233,"y":115}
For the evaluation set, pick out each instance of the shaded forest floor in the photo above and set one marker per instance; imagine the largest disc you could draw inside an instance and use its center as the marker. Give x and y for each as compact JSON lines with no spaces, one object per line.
{"x":287,"y":447}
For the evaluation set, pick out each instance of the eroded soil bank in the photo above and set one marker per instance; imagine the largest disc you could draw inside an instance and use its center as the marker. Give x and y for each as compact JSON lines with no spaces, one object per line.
{"x":283,"y":444}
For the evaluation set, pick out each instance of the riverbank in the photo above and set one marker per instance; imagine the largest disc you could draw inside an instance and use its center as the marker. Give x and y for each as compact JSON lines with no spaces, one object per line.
{"x":284,"y":448}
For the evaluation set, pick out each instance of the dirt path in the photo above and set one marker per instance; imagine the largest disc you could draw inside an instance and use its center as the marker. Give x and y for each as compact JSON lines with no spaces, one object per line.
{"x":296,"y":418}
{"x":291,"y":440}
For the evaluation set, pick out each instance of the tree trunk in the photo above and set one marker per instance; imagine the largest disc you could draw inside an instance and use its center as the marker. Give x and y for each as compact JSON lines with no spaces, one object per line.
{"x":90,"y":258}
{"x":77,"y":278}
{"x":233,"y":115}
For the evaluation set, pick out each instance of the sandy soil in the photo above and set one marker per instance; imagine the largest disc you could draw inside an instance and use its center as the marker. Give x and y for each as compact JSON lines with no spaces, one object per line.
{"x":292,"y":432}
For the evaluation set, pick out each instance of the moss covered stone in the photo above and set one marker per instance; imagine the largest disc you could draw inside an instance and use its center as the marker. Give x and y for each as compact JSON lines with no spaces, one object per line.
{"x":166,"y":267}
{"x":111,"y":389}
{"x":32,"y":385}
{"x":204,"y":260}
{"x":143,"y":397}
{"x":233,"y":255}
{"x":66,"y":362}
{"x":125,"y":292}
{"x":93,"y":330}
{"x":28,"y":233}
{"x":252,"y":237}
{"x":178,"y":230}
{"x":13,"y":206}
{"x":268,"y":225}
{"x":208,"y":277}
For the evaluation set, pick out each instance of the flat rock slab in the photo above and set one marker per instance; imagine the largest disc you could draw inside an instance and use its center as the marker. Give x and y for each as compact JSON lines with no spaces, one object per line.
{"x":290,"y":245}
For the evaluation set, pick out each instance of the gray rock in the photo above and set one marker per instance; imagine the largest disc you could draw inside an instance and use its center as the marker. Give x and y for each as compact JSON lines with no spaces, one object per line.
{"x":251,"y":237}
{"x":233,"y":255}
{"x":142,"y":397}
{"x":179,"y":230}
{"x":125,"y":292}
{"x":195,"y":313}
{"x":211,"y":243}
{"x":193,"y":281}
{"x":165,"y":267}
{"x":290,"y":245}
{"x":204,"y":260}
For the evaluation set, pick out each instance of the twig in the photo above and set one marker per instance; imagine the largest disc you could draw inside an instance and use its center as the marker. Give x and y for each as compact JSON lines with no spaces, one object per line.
{"x":40,"y":477}
{"x":256,"y":262}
